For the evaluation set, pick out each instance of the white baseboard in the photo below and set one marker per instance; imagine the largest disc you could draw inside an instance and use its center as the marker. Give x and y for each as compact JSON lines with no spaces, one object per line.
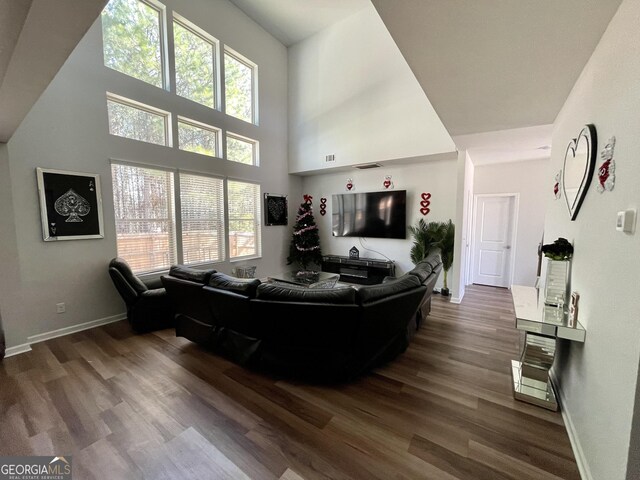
{"x":11,"y":351}
{"x":61,"y":332}
{"x":581,"y":459}
{"x":456,"y":300}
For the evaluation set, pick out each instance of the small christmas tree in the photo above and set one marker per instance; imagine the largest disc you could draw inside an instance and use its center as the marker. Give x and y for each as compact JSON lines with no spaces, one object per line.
{"x":305,"y":242}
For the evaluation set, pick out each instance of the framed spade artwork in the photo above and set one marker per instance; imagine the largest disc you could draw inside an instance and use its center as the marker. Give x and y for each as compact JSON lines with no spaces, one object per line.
{"x":275,"y":209}
{"x":70,"y":205}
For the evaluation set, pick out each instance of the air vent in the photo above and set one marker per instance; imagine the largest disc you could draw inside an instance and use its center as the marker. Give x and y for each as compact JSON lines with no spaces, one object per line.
{"x":330,"y":158}
{"x":366,"y":166}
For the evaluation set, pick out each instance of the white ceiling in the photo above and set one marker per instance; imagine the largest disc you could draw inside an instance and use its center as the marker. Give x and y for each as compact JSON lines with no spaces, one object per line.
{"x":291,"y":21}
{"x":36,"y":38}
{"x":485,"y":65}
{"x":489,"y":65}
{"x":530,"y":143}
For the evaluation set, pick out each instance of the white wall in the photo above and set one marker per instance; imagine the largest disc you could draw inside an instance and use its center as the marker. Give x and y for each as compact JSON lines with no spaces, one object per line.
{"x":534,"y":182}
{"x":466,"y":173}
{"x":437,"y":177}
{"x":9,"y":270}
{"x":67,"y":129}
{"x":598,"y":379}
{"x":352,"y":94}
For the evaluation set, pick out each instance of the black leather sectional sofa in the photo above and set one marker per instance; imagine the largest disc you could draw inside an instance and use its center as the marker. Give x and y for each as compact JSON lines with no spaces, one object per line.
{"x":330,"y":334}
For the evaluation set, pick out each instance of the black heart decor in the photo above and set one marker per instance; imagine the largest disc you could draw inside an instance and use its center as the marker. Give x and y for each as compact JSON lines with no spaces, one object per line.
{"x":577,"y":172}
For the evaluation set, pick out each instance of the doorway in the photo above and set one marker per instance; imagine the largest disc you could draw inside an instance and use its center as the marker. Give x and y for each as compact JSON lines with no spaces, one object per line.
{"x":494,"y":229}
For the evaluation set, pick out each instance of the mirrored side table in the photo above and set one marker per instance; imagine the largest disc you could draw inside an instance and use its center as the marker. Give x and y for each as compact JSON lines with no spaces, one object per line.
{"x":543,"y":326}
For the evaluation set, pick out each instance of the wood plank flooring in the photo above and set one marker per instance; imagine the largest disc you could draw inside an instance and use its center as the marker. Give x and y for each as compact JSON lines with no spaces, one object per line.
{"x":159,"y":407}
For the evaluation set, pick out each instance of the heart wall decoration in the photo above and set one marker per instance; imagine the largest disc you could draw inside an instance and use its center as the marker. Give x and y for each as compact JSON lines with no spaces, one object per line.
{"x":350,"y":185}
{"x":607,"y":171}
{"x":323,"y":206}
{"x":424,"y":203}
{"x":577,"y":171}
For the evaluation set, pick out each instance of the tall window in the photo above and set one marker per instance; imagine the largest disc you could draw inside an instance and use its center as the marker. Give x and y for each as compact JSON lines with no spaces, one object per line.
{"x":202,"y":206}
{"x":242,"y":149}
{"x":243,"y":205}
{"x":239,"y":83}
{"x":145,"y":221}
{"x":134,"y":120}
{"x":132,"y":33}
{"x":195,"y":54}
{"x":197,"y":137}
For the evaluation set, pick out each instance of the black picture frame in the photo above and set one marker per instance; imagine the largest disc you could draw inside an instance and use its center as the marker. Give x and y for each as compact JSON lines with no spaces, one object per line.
{"x":70,"y":205}
{"x":275,"y":209}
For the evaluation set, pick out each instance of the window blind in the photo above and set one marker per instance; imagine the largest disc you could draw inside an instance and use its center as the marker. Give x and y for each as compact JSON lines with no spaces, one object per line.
{"x":145,"y":217}
{"x":244,"y":219}
{"x":202,"y":208}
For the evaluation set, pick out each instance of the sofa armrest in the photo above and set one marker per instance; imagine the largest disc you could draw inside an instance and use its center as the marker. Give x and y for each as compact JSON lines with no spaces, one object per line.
{"x":152,"y":282}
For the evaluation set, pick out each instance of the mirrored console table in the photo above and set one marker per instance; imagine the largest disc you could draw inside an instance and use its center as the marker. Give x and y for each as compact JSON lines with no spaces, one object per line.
{"x":543,"y":325}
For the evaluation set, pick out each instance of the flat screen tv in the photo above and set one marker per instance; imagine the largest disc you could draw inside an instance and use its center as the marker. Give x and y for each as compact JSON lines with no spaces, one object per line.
{"x":370,"y":214}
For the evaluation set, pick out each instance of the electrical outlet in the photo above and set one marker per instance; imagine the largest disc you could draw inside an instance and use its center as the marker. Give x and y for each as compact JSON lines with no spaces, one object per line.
{"x":60,"y":308}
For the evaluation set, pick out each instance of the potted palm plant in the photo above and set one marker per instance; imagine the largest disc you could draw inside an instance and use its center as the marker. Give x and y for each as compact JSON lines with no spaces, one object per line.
{"x":426,"y":239}
{"x":432,"y":236}
{"x":448,"y":232}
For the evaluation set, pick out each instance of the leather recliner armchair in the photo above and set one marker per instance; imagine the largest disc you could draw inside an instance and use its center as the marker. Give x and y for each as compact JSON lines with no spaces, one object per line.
{"x":147,"y":308}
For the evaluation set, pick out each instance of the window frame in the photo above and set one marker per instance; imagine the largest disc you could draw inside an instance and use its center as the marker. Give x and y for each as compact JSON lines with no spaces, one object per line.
{"x":255,"y":155}
{"x":178,"y":207}
{"x":176,"y":211}
{"x":254,"y":84}
{"x":257,"y":221}
{"x":214,"y":42}
{"x":127,"y":102}
{"x":177,"y":225}
{"x":165,"y":83}
{"x":204,"y":126}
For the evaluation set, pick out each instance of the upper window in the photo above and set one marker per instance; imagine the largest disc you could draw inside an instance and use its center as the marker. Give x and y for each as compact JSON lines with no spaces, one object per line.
{"x":243,"y":205}
{"x":239,"y":83}
{"x":137,"y":121}
{"x":202,"y":207}
{"x":242,"y":149}
{"x":195,"y":59}
{"x":132,"y":33}
{"x":197,"y":137}
{"x":145,"y":220}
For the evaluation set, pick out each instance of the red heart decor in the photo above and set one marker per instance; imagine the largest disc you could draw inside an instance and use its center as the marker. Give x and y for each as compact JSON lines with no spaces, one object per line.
{"x":323,"y":206}
{"x":349,"y":186}
{"x":425,"y":203}
{"x":323,"y":201}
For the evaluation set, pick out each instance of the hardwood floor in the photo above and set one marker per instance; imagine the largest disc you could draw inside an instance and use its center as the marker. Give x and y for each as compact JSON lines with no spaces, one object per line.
{"x":159,"y":407}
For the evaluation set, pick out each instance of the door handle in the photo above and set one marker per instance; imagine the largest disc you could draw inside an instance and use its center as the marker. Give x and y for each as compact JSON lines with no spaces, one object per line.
{"x":508,"y":247}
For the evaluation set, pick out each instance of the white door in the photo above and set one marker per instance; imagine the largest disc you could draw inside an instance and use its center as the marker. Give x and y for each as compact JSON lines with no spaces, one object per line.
{"x":493,"y":237}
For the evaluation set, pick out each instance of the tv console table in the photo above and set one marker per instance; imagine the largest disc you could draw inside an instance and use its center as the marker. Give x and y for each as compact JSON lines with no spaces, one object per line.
{"x":364,"y":271}
{"x":543,"y":326}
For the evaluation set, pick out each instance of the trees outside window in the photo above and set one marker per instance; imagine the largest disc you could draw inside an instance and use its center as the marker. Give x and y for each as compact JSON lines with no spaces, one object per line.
{"x":134,"y":120}
{"x":195,"y":56}
{"x":239,"y":78}
{"x":131,"y":37}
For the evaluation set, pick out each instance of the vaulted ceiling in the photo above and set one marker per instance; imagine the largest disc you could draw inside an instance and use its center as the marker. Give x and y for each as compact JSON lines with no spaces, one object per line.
{"x":36,"y":38}
{"x":485,"y":65}
{"x":489,"y":65}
